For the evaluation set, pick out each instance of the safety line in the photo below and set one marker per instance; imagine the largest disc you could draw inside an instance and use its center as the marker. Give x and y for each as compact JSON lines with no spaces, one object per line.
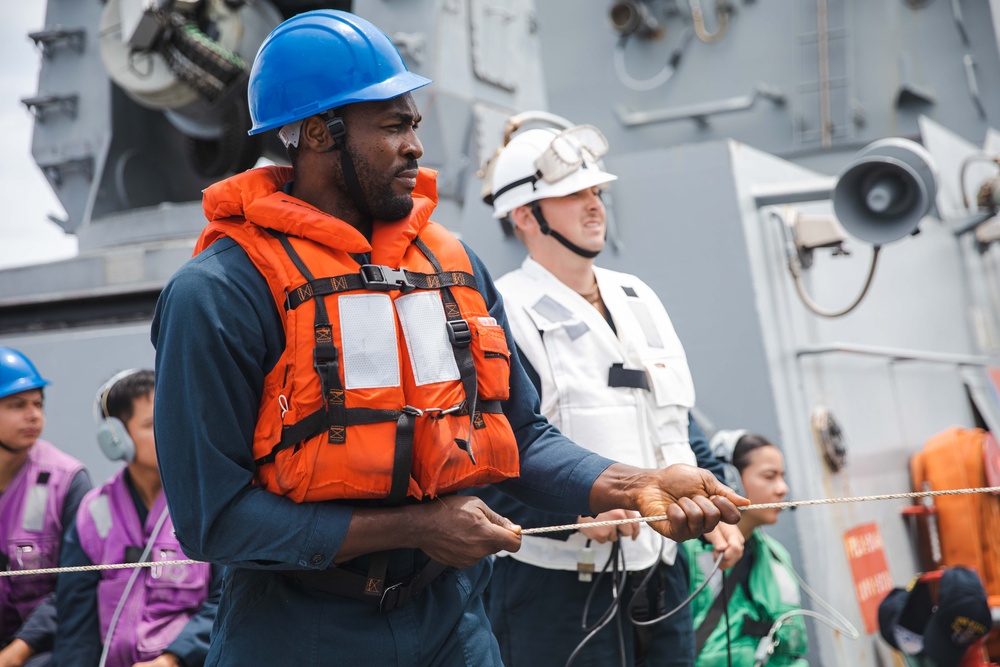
{"x":766,"y":506}
{"x":90,"y":568}
{"x":553,"y":529}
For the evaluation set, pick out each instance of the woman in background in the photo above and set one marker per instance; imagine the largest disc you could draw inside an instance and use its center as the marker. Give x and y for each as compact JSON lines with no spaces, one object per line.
{"x":761,"y":586}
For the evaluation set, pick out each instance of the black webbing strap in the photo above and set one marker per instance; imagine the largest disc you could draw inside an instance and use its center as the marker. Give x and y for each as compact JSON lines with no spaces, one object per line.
{"x":402,"y":460}
{"x":325,"y":357}
{"x":377,"y":278}
{"x":460,"y":336}
{"x":315,"y":424}
{"x":619,"y":376}
{"x":707,"y":625}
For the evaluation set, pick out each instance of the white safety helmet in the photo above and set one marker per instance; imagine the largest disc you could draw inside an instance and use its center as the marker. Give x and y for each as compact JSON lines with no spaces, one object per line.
{"x":538,"y":164}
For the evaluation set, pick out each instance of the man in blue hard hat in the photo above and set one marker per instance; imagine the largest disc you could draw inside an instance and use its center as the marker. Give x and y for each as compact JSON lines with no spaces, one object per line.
{"x":40,"y":490}
{"x":332,"y":367}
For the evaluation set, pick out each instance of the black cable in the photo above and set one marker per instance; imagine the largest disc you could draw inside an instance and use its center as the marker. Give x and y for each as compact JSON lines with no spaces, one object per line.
{"x":684,"y":603}
{"x":729,"y":641}
{"x":617,"y":590}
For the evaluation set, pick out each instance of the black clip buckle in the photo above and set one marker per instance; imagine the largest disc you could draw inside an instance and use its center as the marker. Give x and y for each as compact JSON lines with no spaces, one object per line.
{"x":459,"y":333}
{"x":380,"y":278}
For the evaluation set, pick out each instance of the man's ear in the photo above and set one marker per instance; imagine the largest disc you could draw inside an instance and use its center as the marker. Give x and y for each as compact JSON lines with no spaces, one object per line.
{"x":315,"y":135}
{"x":522,"y":218}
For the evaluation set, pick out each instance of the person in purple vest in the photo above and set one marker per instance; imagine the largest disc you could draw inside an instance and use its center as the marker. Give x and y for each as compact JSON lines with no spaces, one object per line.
{"x":158,"y":616}
{"x":40,"y":490}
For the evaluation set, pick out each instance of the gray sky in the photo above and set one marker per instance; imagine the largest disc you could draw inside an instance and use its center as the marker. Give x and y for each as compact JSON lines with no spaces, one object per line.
{"x":26,"y":234}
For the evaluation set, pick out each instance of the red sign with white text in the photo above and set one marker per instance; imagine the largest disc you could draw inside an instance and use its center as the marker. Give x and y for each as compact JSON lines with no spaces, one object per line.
{"x":870,"y":570}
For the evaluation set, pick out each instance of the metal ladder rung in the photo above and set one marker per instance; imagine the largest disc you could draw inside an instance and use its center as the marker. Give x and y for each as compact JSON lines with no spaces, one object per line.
{"x":41,"y":105}
{"x":56,"y":171}
{"x":47,"y":39}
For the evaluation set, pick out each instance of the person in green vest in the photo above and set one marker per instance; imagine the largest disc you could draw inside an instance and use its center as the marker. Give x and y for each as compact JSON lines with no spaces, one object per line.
{"x":761,"y":587}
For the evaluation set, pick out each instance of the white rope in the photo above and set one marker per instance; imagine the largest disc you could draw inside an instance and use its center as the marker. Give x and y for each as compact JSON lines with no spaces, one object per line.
{"x":768,"y":506}
{"x":554,"y":529}
{"x":89,"y":568}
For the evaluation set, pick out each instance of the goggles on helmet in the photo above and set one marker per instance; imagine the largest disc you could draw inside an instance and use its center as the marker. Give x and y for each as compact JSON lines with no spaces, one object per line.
{"x":569,"y":150}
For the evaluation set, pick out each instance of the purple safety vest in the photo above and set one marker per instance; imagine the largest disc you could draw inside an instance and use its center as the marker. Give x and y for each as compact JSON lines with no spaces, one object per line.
{"x":162,"y":599}
{"x":31,"y":530}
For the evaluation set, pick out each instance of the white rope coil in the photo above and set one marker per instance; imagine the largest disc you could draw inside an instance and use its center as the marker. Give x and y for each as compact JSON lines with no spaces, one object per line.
{"x":768,"y":506}
{"x":553,"y":529}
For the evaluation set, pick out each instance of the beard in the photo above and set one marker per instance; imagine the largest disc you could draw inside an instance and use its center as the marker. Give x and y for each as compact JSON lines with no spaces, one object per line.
{"x":376,"y":188}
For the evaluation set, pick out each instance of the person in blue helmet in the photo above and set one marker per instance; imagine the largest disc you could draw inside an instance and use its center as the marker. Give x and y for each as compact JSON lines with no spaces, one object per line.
{"x":332,"y":367}
{"x":40,"y":490}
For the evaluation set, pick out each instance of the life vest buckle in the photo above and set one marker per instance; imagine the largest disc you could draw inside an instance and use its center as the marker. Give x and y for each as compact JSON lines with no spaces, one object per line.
{"x":459,"y":333}
{"x":439,"y":413}
{"x":379,"y":278}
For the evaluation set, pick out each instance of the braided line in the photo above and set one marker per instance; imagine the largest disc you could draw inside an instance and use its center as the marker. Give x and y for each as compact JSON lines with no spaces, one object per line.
{"x":767,"y":506}
{"x":90,"y":568}
{"x":553,"y":529}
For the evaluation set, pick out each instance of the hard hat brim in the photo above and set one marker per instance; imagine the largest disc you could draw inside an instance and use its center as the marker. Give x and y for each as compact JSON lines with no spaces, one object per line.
{"x":581,"y":180}
{"x":400,"y":84}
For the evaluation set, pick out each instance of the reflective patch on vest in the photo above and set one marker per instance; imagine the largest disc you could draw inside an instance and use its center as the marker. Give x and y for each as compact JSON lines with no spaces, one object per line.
{"x":645,"y":319}
{"x":368,"y":334}
{"x":33,"y":518}
{"x":552,"y":310}
{"x":425,"y":329}
{"x":788,"y":590}
{"x":557,"y":313}
{"x":100,"y":512}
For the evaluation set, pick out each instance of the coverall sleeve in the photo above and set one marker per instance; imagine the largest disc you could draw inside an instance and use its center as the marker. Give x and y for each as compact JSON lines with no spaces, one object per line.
{"x":39,"y":629}
{"x":78,"y":637}
{"x":556,"y":473}
{"x":191,"y":645}
{"x":217,"y":334}
{"x":516,"y":511}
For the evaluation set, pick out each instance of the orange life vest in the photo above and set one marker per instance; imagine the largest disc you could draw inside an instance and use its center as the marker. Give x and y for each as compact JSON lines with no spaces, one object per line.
{"x":393,"y":372}
{"x":968,"y":525}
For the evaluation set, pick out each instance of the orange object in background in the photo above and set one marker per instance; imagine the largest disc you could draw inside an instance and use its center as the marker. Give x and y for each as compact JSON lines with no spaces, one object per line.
{"x":869,"y":569}
{"x":968,"y":526}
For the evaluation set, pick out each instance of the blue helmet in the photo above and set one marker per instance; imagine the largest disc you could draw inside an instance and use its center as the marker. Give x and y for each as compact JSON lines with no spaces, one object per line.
{"x":17,"y":373}
{"x":320,"y":60}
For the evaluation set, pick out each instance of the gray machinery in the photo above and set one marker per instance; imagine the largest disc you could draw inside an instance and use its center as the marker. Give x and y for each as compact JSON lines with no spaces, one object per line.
{"x":771,"y":154}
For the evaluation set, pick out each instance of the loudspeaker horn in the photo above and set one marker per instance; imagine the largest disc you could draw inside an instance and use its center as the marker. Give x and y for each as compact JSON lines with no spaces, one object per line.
{"x":886,"y":190}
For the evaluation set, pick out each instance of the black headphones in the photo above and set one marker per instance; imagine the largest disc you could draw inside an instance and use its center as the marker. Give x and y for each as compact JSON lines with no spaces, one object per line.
{"x":112,"y":436}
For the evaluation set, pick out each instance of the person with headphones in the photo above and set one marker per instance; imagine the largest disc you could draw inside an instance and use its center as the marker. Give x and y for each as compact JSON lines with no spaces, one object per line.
{"x":735,"y":615}
{"x":40,"y":490}
{"x":157,"y":616}
{"x":612,"y":374}
{"x":333,"y":366}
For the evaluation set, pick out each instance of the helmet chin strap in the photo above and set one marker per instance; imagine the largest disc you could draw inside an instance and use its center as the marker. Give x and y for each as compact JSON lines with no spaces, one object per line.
{"x":335,"y":125}
{"x":543,"y":224}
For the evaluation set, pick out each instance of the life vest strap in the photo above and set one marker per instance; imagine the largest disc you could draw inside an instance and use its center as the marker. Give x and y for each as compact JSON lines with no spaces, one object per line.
{"x":315,"y":423}
{"x":460,"y":336}
{"x":619,"y":376}
{"x":325,"y":356}
{"x":378,"y":278}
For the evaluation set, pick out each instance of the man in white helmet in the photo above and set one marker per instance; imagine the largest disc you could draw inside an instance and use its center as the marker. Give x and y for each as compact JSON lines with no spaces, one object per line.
{"x":612,"y":376}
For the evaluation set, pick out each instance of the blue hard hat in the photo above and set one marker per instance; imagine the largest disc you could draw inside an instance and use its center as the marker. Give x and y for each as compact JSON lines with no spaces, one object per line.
{"x":320,"y":60}
{"x":17,"y":373}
